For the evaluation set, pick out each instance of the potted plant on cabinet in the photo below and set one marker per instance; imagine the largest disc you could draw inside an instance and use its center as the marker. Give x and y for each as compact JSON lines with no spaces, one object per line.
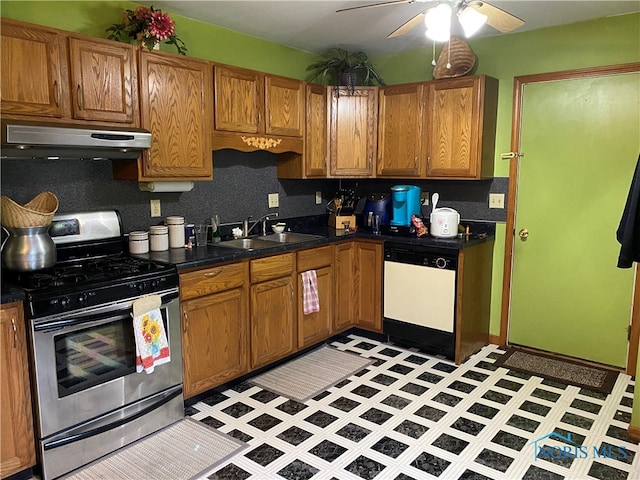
{"x":340,"y":67}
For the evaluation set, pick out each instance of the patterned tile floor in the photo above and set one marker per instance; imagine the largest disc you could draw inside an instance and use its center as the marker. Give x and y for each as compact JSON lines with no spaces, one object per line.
{"x":414,"y":416}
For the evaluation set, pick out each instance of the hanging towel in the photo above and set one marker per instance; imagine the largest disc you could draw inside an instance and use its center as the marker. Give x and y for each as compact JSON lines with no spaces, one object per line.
{"x":311,"y":301}
{"x":152,"y":347}
{"x":628,"y":233}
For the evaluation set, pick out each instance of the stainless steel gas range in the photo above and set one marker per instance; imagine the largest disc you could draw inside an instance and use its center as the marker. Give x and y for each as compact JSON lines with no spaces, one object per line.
{"x":89,"y":400}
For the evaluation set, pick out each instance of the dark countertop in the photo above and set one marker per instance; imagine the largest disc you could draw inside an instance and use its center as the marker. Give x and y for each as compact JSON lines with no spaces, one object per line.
{"x":200,"y":257}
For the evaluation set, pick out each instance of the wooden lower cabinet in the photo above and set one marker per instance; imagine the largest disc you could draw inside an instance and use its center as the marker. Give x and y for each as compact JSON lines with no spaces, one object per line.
{"x":17,"y":445}
{"x":215,"y":327}
{"x":358,"y":285}
{"x":317,"y":326}
{"x":273,"y":309}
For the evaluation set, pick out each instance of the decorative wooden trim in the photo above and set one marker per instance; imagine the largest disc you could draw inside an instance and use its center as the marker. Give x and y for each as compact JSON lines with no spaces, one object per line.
{"x":633,"y":434}
{"x":516,"y":119}
{"x":262,"y":143}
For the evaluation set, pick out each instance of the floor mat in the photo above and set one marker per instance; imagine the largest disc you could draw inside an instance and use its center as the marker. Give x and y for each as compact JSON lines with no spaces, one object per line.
{"x":306,"y":376}
{"x":183,"y":450}
{"x":560,"y":370}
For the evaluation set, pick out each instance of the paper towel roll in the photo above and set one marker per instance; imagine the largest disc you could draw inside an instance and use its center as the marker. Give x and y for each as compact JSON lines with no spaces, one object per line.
{"x":165,"y":186}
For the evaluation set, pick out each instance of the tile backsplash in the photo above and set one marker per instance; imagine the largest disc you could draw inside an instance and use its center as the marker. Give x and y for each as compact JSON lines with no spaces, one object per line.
{"x":241,"y":184}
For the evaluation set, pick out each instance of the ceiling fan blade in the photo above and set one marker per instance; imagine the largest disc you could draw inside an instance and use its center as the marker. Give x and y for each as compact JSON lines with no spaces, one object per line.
{"x":407,"y":26}
{"x":497,"y":18}
{"x":381,"y":4}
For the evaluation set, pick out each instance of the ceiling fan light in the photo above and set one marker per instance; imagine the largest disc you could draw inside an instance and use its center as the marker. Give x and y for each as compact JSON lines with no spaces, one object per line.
{"x":438,"y":22}
{"x":471,"y":21}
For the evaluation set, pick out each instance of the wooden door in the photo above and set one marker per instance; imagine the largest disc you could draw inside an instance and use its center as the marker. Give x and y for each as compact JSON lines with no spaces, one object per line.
{"x":401,"y":130}
{"x":317,"y":326}
{"x":369,"y":285}
{"x":104,"y":81}
{"x":353,"y":131}
{"x":453,"y":119}
{"x":284,"y":106}
{"x":316,"y":137}
{"x":580,"y":137}
{"x":17,"y":450}
{"x":239,"y":100}
{"x":176,"y":105}
{"x":345,"y":286}
{"x":34,"y":71}
{"x":214,"y":340}
{"x":273,"y":314}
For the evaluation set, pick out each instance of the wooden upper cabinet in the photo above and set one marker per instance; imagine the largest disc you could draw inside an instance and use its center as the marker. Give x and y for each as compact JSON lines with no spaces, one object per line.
{"x":284,"y":106}
{"x":34,"y":71}
{"x":316,"y":137}
{"x":461,"y":122}
{"x":353,"y":131}
{"x":104,"y":81}
{"x":176,"y":107}
{"x":238,"y":100}
{"x":401,"y":131}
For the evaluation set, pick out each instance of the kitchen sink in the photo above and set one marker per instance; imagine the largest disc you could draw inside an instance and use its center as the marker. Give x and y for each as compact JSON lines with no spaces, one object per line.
{"x":247,"y":243}
{"x":289,"y":237}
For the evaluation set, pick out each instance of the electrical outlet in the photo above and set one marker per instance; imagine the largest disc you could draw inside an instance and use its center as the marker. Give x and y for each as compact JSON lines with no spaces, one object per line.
{"x":424,"y":198}
{"x":496,"y":200}
{"x":156,"y":211}
{"x":274,"y":200}
{"x":318,"y":198}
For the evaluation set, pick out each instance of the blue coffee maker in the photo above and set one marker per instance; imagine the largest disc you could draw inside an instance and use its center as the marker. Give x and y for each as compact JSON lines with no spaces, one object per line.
{"x":405,"y":203}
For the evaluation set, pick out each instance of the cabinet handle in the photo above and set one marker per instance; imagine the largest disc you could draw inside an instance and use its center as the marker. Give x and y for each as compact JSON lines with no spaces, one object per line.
{"x":15,"y":333}
{"x":80,"y":99}
{"x":56,"y":93}
{"x":369,"y":164}
{"x":415,"y":162}
{"x":291,"y":290}
{"x":213,"y":274}
{"x":185,"y":327}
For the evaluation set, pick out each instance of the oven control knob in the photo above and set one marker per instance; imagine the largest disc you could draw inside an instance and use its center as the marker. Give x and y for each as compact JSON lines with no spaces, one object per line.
{"x":65,"y":302}
{"x":441,"y":262}
{"x":154,"y":283}
{"x":142,"y":286}
{"x":82,"y":298}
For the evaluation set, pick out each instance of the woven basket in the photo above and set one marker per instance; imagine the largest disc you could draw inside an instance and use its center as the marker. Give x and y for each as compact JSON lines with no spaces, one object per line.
{"x":38,"y":212}
{"x":459,"y":55}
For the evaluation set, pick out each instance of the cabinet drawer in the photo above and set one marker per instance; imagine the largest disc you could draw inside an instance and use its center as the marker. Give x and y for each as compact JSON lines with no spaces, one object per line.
{"x":315,"y":258}
{"x":272,"y":267}
{"x":211,"y":280}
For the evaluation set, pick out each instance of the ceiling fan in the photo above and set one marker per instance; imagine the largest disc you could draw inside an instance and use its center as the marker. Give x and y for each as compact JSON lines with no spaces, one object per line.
{"x":472,"y":14}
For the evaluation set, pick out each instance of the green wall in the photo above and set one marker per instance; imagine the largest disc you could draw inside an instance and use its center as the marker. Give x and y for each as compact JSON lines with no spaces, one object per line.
{"x":604,"y":41}
{"x":203,"y":40}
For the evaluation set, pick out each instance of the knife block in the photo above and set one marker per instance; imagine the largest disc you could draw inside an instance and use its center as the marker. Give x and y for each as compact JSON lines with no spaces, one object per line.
{"x":335,"y":221}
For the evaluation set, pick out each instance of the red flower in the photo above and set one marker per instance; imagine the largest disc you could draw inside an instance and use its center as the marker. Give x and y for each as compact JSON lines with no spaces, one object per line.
{"x":161,"y":26}
{"x":142,"y":13}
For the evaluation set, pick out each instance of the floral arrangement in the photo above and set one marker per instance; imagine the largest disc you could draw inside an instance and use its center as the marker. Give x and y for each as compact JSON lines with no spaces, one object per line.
{"x":147,"y":27}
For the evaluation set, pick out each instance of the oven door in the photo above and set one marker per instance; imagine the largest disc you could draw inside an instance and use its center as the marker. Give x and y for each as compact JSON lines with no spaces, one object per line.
{"x":85,"y":363}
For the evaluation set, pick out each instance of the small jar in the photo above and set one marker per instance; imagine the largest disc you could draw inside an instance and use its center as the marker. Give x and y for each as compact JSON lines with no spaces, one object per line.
{"x":159,"y":238}
{"x":176,"y":231}
{"x":190,"y":234}
{"x":138,"y":242}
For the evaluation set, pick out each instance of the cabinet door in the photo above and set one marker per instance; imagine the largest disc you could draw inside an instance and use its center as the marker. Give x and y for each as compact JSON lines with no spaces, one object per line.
{"x":317,"y":326}
{"x":353,"y":131}
{"x":401,"y":130}
{"x":345,"y":286}
{"x":17,"y":450}
{"x":176,"y":106}
{"x":454,"y":119}
{"x":369,"y":285}
{"x":214,"y":340}
{"x":284,"y":106}
{"x":316,"y":136}
{"x":104,"y":81}
{"x":238,"y":100}
{"x":273,"y":310}
{"x":34,"y":79}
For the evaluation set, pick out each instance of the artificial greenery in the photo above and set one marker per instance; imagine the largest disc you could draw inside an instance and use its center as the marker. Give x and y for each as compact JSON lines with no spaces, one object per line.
{"x":341,"y":67}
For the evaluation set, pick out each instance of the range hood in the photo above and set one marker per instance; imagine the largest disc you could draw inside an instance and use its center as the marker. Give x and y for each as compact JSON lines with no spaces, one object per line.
{"x":50,"y":141}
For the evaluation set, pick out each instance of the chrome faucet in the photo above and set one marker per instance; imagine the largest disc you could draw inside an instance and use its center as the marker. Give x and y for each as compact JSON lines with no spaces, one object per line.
{"x":246,"y":230}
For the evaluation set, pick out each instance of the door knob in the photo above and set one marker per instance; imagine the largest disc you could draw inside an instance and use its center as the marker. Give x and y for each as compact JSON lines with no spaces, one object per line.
{"x":523,"y":233}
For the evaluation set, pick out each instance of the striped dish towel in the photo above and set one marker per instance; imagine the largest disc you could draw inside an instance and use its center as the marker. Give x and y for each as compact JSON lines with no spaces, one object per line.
{"x":311,"y":300}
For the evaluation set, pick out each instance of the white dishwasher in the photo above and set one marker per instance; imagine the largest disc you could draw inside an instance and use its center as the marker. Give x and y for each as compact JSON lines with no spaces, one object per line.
{"x":420,"y":297}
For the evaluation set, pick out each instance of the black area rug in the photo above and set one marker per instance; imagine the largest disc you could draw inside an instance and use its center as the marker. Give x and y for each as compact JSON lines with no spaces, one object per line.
{"x":559,"y":369}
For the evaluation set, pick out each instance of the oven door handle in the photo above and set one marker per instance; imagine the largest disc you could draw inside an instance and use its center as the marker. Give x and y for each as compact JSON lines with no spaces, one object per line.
{"x":167,"y":397}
